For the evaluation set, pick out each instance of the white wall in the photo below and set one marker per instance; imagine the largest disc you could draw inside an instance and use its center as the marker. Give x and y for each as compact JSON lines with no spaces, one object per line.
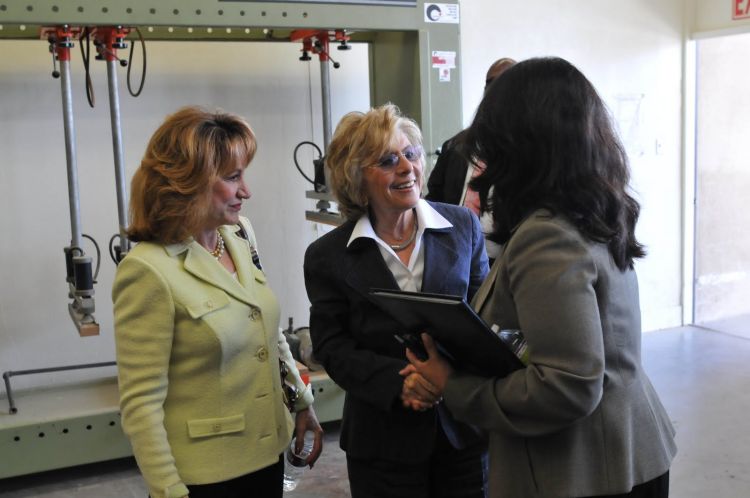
{"x":265,"y":82}
{"x":631,"y":51}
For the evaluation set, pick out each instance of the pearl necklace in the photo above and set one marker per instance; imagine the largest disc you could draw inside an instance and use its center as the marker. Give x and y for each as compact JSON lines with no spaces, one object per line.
{"x":407,"y":243}
{"x":218,"y":251}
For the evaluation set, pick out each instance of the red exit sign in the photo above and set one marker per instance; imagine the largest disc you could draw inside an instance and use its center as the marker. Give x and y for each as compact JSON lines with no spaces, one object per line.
{"x":740,"y":9}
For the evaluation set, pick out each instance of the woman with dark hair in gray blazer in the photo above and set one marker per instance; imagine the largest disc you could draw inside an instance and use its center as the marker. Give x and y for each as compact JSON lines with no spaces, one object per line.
{"x":582,"y":419}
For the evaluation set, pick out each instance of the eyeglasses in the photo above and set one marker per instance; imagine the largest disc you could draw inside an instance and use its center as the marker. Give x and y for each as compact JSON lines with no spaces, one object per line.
{"x":412,"y":153}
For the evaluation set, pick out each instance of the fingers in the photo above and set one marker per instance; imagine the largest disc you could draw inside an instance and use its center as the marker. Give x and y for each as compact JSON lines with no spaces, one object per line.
{"x":413,"y":360}
{"x":416,"y":405}
{"x":430,"y":348}
{"x":410,"y":402}
{"x":429,"y":345}
{"x":435,"y":370}
{"x":417,"y":387}
{"x":408,"y":369}
{"x":412,"y":385}
{"x":317,"y":448}
{"x":424,"y":386}
{"x":419,"y":393}
{"x":306,"y":420}
{"x":299,"y":438}
{"x":429,"y":386}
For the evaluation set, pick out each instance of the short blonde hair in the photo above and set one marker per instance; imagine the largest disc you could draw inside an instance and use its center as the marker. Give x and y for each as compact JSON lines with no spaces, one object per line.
{"x":171,"y":189}
{"x":360,"y":140}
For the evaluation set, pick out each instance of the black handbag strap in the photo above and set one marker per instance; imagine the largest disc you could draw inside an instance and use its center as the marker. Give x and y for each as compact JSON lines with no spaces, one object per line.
{"x":242,"y":232}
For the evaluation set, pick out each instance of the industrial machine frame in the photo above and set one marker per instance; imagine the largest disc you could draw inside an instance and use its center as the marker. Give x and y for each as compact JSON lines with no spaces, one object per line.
{"x":413,"y":63}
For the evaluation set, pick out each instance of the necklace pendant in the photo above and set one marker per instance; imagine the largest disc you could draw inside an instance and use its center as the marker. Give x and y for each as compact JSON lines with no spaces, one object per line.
{"x":218,"y":251}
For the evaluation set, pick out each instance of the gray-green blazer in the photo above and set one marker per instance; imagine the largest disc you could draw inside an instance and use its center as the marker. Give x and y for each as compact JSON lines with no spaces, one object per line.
{"x":583,"y":418}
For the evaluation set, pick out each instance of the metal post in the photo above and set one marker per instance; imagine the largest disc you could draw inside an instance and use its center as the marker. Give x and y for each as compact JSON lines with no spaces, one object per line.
{"x":8,"y":374}
{"x":114,"y":115}
{"x":78,"y":266}
{"x":70,"y":153}
{"x":325,"y":89}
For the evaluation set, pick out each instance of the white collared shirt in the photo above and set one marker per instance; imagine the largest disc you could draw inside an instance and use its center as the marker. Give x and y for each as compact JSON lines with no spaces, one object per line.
{"x":408,"y":277}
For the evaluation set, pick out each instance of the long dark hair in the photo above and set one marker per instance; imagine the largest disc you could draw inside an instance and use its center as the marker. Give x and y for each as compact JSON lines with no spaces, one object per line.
{"x":547,"y":141}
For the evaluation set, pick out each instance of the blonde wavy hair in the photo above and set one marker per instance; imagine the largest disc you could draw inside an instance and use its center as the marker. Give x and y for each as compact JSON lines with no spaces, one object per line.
{"x":171,"y":190}
{"x":360,"y":140}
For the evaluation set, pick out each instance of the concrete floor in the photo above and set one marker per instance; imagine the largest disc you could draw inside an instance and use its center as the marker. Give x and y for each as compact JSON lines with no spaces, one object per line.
{"x":701,"y":374}
{"x":120,"y":478}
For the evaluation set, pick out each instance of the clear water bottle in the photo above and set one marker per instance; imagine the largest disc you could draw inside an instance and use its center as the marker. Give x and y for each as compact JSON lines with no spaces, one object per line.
{"x":295,"y":463}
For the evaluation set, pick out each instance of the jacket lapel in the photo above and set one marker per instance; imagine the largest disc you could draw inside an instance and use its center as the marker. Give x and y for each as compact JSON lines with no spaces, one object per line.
{"x":239,"y":248}
{"x":203,"y":266}
{"x":365,"y":267}
{"x":439,"y":256}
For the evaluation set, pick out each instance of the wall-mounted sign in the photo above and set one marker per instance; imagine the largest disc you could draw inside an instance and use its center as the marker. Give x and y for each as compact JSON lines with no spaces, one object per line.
{"x":740,"y":9}
{"x":443,"y":61}
{"x":442,"y":12}
{"x":391,"y":3}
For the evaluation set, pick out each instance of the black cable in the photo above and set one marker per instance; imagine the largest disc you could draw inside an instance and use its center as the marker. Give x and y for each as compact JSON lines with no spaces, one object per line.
{"x":98,"y":255}
{"x":86,"y":58}
{"x":112,"y":254}
{"x":130,"y":65}
{"x":112,"y":250}
{"x":320,"y":156}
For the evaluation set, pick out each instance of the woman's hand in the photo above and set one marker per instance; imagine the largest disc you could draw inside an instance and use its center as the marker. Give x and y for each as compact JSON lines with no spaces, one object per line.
{"x":435,"y":369}
{"x":417,"y":393}
{"x":306,"y":420}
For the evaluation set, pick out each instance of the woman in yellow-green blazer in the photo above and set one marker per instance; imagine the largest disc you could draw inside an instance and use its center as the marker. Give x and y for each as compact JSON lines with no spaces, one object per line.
{"x":196,"y":325}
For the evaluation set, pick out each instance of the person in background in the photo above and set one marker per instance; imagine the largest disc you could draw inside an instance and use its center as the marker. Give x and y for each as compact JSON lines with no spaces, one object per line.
{"x":582,"y":418}
{"x":449,"y":179}
{"x":196,"y":325}
{"x":399,"y":439}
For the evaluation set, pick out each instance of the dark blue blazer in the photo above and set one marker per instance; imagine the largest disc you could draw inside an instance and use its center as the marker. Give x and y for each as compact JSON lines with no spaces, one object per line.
{"x":353,"y":338}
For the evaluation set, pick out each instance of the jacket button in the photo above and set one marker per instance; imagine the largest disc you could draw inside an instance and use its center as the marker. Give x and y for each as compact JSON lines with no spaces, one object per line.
{"x":262,"y":353}
{"x":255,"y":314}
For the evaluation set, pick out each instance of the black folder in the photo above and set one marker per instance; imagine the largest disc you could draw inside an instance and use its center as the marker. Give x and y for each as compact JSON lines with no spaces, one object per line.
{"x":460,"y":333}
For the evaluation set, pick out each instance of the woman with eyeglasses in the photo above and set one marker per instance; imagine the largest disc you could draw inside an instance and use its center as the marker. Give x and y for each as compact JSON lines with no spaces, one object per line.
{"x":399,"y":439}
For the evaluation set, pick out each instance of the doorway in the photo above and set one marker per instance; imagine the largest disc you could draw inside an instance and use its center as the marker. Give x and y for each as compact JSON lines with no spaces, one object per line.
{"x":722,"y":223}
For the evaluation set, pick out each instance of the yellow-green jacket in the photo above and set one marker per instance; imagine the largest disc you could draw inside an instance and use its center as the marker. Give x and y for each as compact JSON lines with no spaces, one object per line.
{"x":198,"y":369}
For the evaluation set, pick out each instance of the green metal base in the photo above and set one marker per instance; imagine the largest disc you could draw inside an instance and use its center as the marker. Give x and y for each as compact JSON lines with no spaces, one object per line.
{"x":71,"y":425}
{"x":329,"y":397}
{"x":80,"y":423}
